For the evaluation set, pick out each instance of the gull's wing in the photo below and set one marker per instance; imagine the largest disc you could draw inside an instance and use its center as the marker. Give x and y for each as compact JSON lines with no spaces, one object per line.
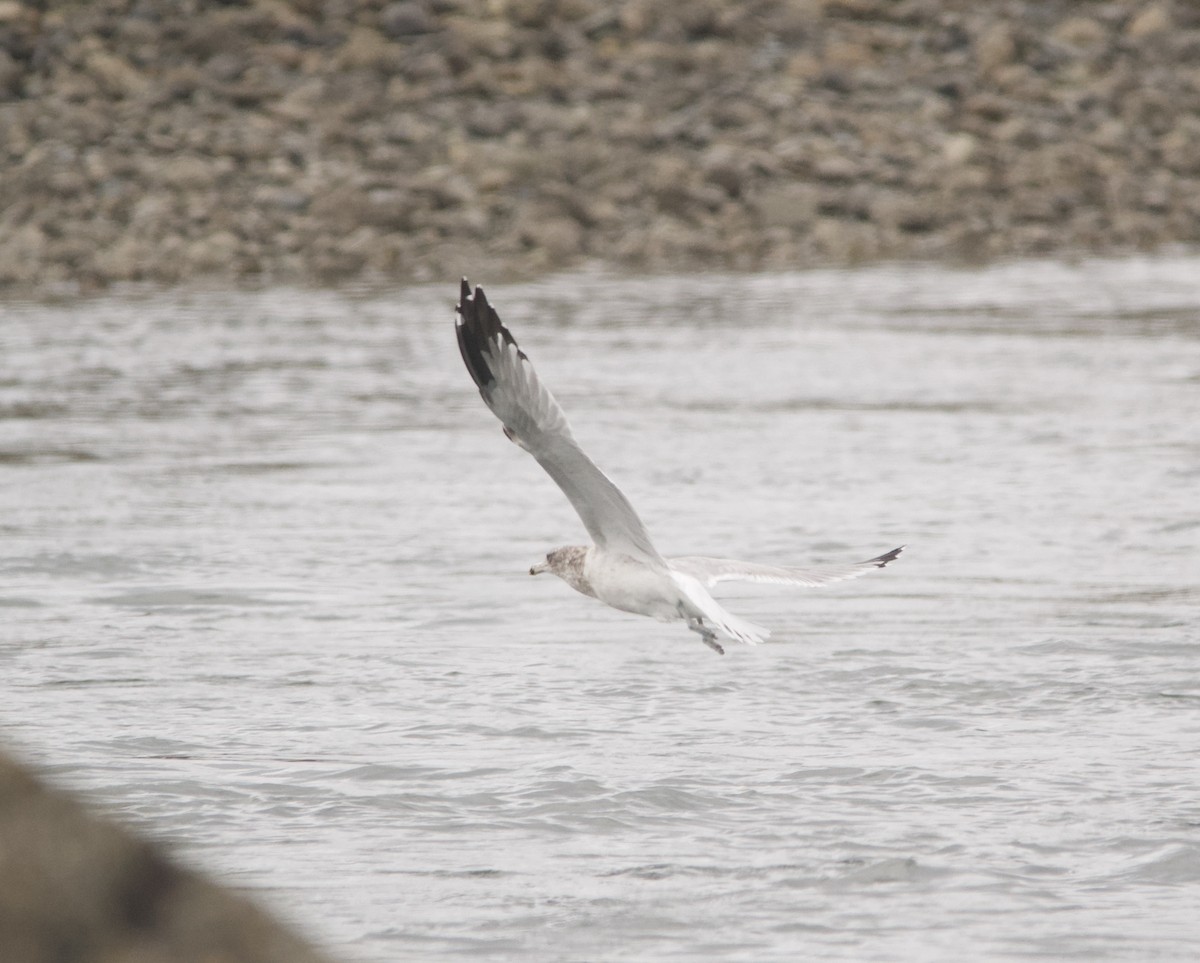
{"x":710,"y":571}
{"x":534,"y":420}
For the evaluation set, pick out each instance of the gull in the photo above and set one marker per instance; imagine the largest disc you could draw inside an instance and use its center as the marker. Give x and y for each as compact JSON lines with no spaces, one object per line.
{"x":621,"y":567}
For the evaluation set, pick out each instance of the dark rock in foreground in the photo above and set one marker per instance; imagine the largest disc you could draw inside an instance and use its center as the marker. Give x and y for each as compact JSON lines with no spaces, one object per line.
{"x":322,"y":142}
{"x":76,"y":888}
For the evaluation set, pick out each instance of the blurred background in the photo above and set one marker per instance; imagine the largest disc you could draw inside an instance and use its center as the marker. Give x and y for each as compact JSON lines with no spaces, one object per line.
{"x":320,"y":142}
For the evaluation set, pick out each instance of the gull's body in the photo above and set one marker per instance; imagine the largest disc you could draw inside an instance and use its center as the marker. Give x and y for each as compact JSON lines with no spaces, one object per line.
{"x":622,"y":568}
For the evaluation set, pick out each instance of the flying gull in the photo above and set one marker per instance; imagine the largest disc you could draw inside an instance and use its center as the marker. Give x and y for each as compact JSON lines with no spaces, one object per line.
{"x":622,"y":568}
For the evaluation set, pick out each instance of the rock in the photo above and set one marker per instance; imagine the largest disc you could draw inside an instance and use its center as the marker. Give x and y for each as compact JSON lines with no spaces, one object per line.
{"x":1180,"y":147}
{"x":227,"y":66}
{"x":115,"y":74}
{"x":407,"y":19}
{"x":1148,"y":22}
{"x":287,"y":199}
{"x":846,"y":242}
{"x":493,"y":120}
{"x":21,"y":253}
{"x":365,"y":47}
{"x":995,"y":48}
{"x":126,"y":260}
{"x":792,"y":206}
{"x":188,"y":171}
{"x":10,"y":76}
{"x":390,"y":209}
{"x":959,"y":148}
{"x":74,"y":886}
{"x":482,"y":40}
{"x":837,"y":169}
{"x":989,"y":107}
{"x":12,"y":11}
{"x":213,"y":253}
{"x":1084,"y":33}
{"x":559,"y":237}
{"x":150,"y":211}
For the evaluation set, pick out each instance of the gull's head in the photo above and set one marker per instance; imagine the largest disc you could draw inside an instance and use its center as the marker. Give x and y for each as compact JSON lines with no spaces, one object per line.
{"x":567,"y":563}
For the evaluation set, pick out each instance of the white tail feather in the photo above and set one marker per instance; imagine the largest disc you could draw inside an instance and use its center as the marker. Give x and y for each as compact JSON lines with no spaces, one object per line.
{"x":729,"y":625}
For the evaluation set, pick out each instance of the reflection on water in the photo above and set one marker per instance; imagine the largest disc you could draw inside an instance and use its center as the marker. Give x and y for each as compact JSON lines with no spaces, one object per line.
{"x":264,"y":595}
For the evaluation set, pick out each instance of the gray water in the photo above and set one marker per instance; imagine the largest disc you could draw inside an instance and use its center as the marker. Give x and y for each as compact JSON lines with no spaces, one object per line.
{"x":264,"y":596}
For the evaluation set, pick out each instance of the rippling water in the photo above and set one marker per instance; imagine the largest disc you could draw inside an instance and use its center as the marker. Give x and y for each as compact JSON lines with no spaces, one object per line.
{"x":264,"y":596}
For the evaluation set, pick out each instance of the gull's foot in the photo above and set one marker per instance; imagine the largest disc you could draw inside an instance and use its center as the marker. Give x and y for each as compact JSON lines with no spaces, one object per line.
{"x":707,"y":636}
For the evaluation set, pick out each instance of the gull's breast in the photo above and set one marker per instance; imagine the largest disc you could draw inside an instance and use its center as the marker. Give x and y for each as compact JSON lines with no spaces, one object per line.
{"x":633,"y":586}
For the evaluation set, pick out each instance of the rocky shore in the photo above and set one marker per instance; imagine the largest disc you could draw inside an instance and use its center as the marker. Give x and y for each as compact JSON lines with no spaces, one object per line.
{"x":328,"y":141}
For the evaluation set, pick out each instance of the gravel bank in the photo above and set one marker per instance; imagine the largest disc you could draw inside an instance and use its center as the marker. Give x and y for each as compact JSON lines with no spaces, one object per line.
{"x":323,"y":141}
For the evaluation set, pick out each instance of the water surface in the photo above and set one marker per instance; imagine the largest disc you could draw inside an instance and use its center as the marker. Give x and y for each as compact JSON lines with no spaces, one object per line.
{"x":265,"y":598}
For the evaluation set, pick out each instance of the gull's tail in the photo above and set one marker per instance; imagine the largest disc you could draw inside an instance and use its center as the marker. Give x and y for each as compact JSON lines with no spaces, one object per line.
{"x":726,"y":623}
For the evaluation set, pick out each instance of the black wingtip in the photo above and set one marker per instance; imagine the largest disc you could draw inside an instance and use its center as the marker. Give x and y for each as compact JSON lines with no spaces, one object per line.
{"x":478,"y":325}
{"x":881,"y":560}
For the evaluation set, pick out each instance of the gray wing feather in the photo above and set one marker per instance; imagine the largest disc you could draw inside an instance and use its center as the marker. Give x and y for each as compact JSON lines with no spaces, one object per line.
{"x":534,"y":420}
{"x":710,"y":571}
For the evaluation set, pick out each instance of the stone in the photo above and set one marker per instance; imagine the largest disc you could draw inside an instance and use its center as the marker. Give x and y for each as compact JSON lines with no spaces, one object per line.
{"x":212,"y":253}
{"x":186,"y":171}
{"x":558,"y":237}
{"x":126,"y":260}
{"x":959,"y":148}
{"x":407,"y":19}
{"x":788,"y":205}
{"x":903,"y":212}
{"x":1148,"y":22}
{"x":21,"y":254}
{"x":10,"y":75}
{"x":1085,"y":33}
{"x":364,"y":47}
{"x":995,"y":48}
{"x":115,"y":74}
{"x":12,"y":10}
{"x":74,"y":885}
{"x":284,"y":198}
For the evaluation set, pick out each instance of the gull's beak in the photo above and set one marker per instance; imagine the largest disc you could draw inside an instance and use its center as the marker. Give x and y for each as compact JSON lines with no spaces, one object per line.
{"x":539,"y":568}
